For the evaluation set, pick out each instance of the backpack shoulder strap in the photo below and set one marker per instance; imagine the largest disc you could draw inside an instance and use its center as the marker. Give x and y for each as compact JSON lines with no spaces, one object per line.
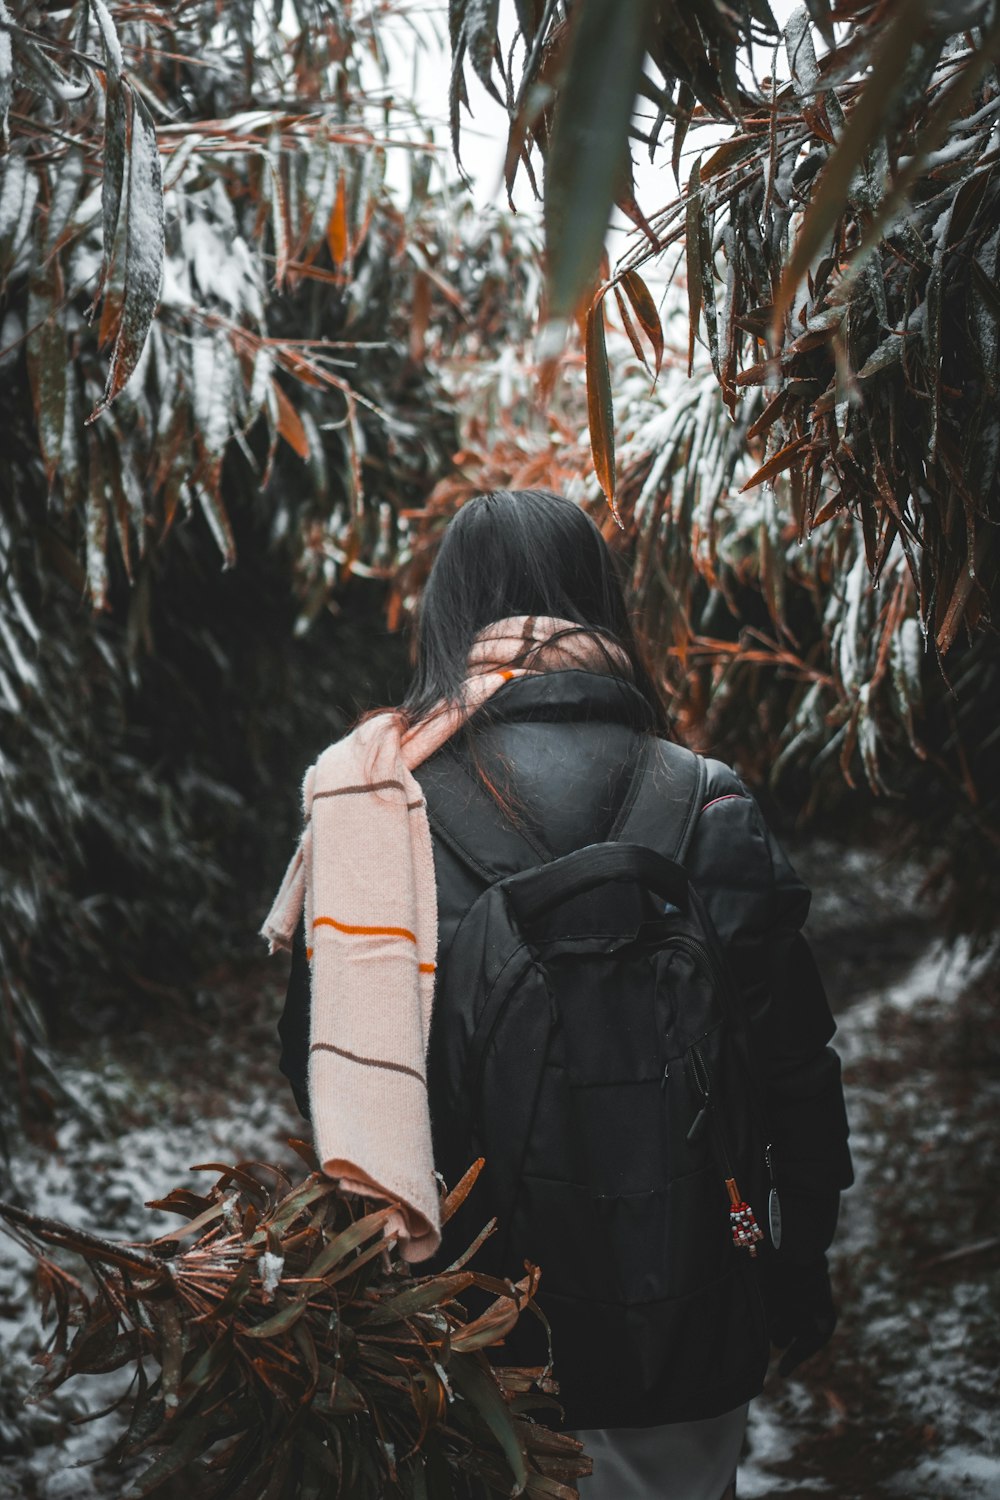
{"x":663,"y":801}
{"x":464,"y":815}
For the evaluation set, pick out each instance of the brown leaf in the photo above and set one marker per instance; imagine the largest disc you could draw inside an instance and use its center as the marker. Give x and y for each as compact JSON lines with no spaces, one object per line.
{"x":420,"y":316}
{"x":631,"y":331}
{"x":777,"y":463}
{"x":336,"y":230}
{"x":290,"y":423}
{"x":453,"y":1202}
{"x":641,"y":298}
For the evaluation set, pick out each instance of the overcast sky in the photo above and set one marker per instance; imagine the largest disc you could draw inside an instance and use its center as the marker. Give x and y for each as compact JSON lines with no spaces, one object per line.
{"x":420,"y":58}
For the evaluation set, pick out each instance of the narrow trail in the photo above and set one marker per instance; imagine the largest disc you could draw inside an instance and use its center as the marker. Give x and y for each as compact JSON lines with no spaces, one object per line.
{"x":904,"y":1401}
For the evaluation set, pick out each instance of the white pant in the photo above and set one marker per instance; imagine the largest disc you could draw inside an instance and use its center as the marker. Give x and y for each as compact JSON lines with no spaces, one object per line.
{"x":678,"y":1461}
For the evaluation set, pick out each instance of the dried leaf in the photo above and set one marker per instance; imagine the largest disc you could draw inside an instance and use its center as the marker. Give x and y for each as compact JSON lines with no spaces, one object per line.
{"x":641,"y":298}
{"x":631,"y":331}
{"x":777,"y":463}
{"x":290,"y":423}
{"x":461,"y":1190}
{"x":337,"y":238}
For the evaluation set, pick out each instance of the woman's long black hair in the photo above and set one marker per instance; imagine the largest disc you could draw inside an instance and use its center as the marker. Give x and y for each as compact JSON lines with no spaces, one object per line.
{"x":518,"y":552}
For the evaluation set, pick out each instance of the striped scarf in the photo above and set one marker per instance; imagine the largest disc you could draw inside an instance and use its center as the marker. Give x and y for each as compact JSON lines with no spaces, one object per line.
{"x":363,"y":878}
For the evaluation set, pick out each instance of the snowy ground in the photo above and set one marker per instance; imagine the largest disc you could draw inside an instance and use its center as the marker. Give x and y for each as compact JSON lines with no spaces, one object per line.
{"x":904,"y":1402}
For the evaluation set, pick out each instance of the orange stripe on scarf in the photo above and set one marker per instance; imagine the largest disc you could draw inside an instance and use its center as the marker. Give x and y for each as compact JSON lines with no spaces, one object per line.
{"x":403,"y":932}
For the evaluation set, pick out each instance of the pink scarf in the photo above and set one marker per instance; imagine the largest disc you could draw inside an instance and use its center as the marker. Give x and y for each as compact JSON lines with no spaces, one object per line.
{"x":363,"y":874}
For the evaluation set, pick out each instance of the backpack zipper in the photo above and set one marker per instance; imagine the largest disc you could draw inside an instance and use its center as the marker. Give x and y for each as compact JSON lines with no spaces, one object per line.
{"x":708,"y":1115}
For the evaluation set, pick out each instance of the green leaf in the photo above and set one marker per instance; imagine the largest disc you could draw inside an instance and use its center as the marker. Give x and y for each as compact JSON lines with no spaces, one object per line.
{"x":216,"y":515}
{"x":115,"y":129}
{"x":280,"y":1322}
{"x":600,"y":407}
{"x":173,"y":1347}
{"x":867,"y":117}
{"x":475,"y":1382}
{"x":18,"y":195}
{"x":685,"y":104}
{"x":303,"y":1196}
{"x":97,"y":529}
{"x":6,"y":69}
{"x":194,"y":1436}
{"x":347,"y":1241}
{"x":692,"y":236}
{"x":589,"y":146}
{"x":143,"y":250}
{"x":419,"y":1298}
{"x":47,"y":362}
{"x":68,"y":181}
{"x":525,"y":18}
{"x":481,"y":35}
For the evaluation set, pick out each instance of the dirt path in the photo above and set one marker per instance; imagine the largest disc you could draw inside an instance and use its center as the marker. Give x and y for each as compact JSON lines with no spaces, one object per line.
{"x":903,"y":1403}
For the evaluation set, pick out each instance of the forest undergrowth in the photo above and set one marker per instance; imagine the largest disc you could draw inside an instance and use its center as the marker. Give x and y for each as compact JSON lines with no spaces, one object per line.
{"x":901,"y":1402}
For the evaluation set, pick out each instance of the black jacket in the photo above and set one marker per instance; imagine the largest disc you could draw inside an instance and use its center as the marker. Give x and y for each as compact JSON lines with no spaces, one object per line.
{"x":564,"y":744}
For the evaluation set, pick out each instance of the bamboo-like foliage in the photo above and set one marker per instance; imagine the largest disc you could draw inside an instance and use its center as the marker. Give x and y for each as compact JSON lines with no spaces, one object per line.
{"x":196,"y":167}
{"x":869,"y":179}
{"x":838,"y":234}
{"x":296,"y":1355}
{"x":774,"y":652}
{"x":279,"y":404}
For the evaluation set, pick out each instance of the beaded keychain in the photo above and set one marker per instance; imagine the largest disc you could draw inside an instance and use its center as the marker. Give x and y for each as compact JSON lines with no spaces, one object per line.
{"x":746,"y":1232}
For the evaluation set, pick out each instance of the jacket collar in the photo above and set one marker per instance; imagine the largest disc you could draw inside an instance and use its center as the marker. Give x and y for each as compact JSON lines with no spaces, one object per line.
{"x":568,"y":696}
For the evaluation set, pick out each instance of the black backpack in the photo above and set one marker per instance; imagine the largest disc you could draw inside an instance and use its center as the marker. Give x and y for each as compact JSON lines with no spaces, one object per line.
{"x":588,"y":1042}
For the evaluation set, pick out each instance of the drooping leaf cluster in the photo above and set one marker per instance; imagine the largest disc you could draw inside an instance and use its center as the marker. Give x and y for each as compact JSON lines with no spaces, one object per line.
{"x":157,"y":707}
{"x":831,"y":190}
{"x":775,"y":653}
{"x":274,"y":152}
{"x":295,"y":1353}
{"x":870,"y":174}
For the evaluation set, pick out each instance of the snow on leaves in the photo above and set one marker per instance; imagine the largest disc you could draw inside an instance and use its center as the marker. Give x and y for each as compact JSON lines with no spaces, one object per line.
{"x":132,"y":204}
{"x":6,"y":68}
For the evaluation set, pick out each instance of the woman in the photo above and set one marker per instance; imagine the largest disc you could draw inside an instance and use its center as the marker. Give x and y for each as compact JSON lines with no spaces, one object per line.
{"x":529,"y":726}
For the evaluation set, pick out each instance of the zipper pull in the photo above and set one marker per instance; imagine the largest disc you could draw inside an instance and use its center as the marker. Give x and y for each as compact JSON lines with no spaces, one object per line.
{"x":699,"y":1126}
{"x":701,"y":1081}
{"x":773,"y":1203}
{"x":747,"y":1233}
